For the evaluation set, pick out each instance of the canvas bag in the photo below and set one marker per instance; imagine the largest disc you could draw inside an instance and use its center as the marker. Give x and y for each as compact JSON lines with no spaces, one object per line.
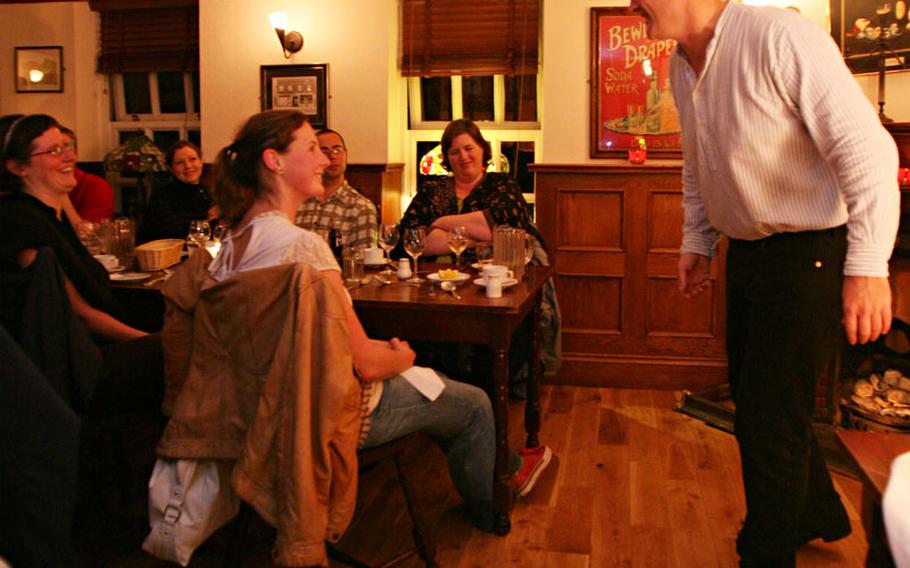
{"x":188,"y":501}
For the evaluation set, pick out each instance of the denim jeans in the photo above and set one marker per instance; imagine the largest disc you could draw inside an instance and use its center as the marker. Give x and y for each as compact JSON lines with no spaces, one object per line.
{"x":461,"y":422}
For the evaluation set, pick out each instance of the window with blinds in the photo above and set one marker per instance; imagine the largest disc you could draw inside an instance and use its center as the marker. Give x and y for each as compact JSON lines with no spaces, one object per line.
{"x":469,"y":37}
{"x":150,"y":52}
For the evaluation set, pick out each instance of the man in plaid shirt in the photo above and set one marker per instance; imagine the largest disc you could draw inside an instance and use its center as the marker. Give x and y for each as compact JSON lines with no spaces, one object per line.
{"x":352,"y":214}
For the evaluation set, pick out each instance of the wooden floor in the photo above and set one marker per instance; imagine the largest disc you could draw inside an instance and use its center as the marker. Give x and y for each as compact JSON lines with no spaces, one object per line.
{"x":633,"y":484}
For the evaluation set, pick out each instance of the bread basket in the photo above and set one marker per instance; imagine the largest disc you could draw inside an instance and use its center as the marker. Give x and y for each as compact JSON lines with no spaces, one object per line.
{"x":158,"y":255}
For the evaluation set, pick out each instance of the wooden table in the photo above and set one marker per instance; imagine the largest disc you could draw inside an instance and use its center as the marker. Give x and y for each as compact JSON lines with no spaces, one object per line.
{"x":873,"y":453}
{"x":427,"y":313}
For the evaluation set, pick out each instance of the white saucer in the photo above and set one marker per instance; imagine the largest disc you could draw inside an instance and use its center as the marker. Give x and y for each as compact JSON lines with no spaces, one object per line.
{"x":116,"y":269}
{"x":374,"y":264}
{"x":505,"y":283}
{"x":130,"y":276}
{"x":434,"y":277}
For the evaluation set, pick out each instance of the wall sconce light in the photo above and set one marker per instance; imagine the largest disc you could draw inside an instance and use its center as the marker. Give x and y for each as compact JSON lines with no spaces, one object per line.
{"x":291,"y":42}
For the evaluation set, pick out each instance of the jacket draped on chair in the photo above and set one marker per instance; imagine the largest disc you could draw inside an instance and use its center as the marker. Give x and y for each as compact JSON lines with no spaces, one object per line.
{"x":259,"y":369}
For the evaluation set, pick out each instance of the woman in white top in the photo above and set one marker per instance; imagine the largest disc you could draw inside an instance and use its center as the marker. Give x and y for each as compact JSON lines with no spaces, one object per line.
{"x":272,"y":166}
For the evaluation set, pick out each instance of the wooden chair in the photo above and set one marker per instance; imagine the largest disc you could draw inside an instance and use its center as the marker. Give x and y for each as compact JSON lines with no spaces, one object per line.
{"x":423,"y":543}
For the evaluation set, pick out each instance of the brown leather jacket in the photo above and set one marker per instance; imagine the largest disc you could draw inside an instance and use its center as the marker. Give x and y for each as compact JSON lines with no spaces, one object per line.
{"x":259,"y":370}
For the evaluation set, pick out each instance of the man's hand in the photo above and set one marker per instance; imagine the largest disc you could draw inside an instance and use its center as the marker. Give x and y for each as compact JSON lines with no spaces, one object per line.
{"x":694,"y":274}
{"x":867,"y":308}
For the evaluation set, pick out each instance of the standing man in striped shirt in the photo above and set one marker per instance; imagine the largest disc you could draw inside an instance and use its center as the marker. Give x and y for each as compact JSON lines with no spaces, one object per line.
{"x":784,"y":155}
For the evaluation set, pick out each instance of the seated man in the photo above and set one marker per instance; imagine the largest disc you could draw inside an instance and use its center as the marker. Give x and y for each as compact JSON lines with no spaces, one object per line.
{"x":341,"y":207}
{"x":93,"y":197}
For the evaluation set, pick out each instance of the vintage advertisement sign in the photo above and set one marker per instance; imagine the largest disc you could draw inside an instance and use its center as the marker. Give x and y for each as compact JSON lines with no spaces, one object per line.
{"x":630,"y":88}
{"x":872,"y":32}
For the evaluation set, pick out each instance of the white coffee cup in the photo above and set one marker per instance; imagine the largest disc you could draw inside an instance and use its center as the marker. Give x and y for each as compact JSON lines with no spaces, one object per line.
{"x":109,"y":261}
{"x":373,"y":255}
{"x":496,"y":271}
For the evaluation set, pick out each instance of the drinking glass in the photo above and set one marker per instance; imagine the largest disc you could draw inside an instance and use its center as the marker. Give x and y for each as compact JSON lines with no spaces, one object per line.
{"x":458,"y":240}
{"x":388,"y":238}
{"x":484,"y":253}
{"x":413,"y":245}
{"x":198,"y":234}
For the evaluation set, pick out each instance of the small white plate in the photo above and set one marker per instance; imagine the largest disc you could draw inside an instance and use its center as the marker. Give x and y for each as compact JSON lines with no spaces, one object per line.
{"x":116,"y":269}
{"x":374,"y":264}
{"x":130,"y":276}
{"x":505,"y":283}
{"x":434,"y":277}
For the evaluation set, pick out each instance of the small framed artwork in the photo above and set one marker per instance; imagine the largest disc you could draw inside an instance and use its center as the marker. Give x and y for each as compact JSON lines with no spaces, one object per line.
{"x":630,"y":88}
{"x":870,"y":32}
{"x":297,"y":87}
{"x":39,"y":69}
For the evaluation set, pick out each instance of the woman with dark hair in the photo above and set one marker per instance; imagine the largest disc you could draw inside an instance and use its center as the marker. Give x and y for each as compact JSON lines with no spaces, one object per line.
{"x":184,"y":199}
{"x":273,"y":164}
{"x":471,"y":197}
{"x":55,"y":299}
{"x":37,"y":167}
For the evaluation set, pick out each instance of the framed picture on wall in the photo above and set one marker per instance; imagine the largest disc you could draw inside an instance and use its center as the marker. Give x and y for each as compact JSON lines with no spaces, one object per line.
{"x":630,"y":88}
{"x":39,"y":69}
{"x":296,"y":87}
{"x":869,"y":31}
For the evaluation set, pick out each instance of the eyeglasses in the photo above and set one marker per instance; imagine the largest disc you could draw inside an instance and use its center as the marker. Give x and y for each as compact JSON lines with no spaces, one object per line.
{"x":57,"y":150}
{"x":333,"y":151}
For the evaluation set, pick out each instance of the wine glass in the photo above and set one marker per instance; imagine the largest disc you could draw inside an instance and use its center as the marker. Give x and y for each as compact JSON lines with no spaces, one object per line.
{"x":198,"y":234}
{"x":413,"y":245}
{"x":458,"y":240}
{"x":388,"y":238}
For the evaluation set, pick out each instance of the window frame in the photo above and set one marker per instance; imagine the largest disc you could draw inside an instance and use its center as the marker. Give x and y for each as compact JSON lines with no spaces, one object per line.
{"x":415,"y":107}
{"x":156,"y":120}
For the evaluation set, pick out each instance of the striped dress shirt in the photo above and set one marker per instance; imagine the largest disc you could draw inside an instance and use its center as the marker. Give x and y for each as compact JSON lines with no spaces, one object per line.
{"x":778,"y":137}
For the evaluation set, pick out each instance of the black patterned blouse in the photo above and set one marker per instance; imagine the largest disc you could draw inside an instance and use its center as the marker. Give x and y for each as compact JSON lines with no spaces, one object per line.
{"x":497,"y":196}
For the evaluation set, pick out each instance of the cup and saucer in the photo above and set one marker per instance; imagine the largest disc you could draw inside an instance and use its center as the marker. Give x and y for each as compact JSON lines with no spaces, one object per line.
{"x":373,"y":257}
{"x":503,"y":274}
{"x":110,"y":262}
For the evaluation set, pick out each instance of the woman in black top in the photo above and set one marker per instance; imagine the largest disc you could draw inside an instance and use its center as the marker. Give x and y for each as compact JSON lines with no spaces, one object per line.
{"x":173,"y":206}
{"x":36,"y":174}
{"x":470,"y":197}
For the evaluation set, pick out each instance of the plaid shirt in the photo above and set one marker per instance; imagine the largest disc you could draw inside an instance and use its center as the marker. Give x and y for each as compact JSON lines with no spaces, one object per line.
{"x":354,"y":214}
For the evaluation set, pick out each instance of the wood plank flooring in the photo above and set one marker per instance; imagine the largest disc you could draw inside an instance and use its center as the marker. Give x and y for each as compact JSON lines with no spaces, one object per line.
{"x":633,"y":484}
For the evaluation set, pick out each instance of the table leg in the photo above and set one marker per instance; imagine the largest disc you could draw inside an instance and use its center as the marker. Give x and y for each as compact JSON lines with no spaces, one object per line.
{"x":502,"y":489}
{"x":532,"y":405}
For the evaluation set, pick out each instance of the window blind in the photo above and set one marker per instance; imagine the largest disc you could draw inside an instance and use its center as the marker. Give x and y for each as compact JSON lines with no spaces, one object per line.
{"x":469,"y":37}
{"x":147,"y":36}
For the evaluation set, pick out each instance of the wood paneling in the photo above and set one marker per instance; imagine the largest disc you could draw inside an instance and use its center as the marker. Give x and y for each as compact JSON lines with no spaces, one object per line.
{"x":381,"y":184}
{"x":615,"y":232}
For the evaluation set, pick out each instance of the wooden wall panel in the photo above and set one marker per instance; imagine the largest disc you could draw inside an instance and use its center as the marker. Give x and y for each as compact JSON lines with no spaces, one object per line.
{"x":666,"y":234}
{"x":579,"y":312}
{"x":578,"y":208}
{"x":669,"y":314}
{"x":614,"y":234}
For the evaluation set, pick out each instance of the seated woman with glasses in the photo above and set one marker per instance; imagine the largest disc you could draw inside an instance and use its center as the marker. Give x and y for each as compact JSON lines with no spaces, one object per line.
{"x":273,"y":164}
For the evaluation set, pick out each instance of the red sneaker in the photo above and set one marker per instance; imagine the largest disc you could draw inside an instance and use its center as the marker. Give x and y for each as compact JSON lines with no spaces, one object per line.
{"x":533,"y":462}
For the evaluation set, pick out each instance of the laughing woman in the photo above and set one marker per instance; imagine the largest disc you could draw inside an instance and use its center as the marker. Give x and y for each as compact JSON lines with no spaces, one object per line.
{"x":185,"y":199}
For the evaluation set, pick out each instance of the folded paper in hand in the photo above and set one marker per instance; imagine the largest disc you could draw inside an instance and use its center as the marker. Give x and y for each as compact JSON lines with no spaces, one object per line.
{"x":425,"y":380}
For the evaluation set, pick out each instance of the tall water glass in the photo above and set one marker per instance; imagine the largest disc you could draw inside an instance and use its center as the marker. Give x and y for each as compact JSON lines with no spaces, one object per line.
{"x":413,"y":245}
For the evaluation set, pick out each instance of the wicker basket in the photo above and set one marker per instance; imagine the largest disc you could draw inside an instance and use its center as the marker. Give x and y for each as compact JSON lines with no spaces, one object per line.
{"x":158,"y":255}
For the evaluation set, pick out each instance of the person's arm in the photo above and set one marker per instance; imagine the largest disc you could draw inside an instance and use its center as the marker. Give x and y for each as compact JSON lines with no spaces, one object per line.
{"x":475,"y":223}
{"x":97,"y":322}
{"x":374,"y":360}
{"x":848,"y":134}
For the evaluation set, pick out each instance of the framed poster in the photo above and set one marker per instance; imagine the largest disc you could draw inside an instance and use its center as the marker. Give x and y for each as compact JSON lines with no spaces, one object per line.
{"x":39,"y":69}
{"x":868,"y":30}
{"x":296,"y":87}
{"x":630,"y":88}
